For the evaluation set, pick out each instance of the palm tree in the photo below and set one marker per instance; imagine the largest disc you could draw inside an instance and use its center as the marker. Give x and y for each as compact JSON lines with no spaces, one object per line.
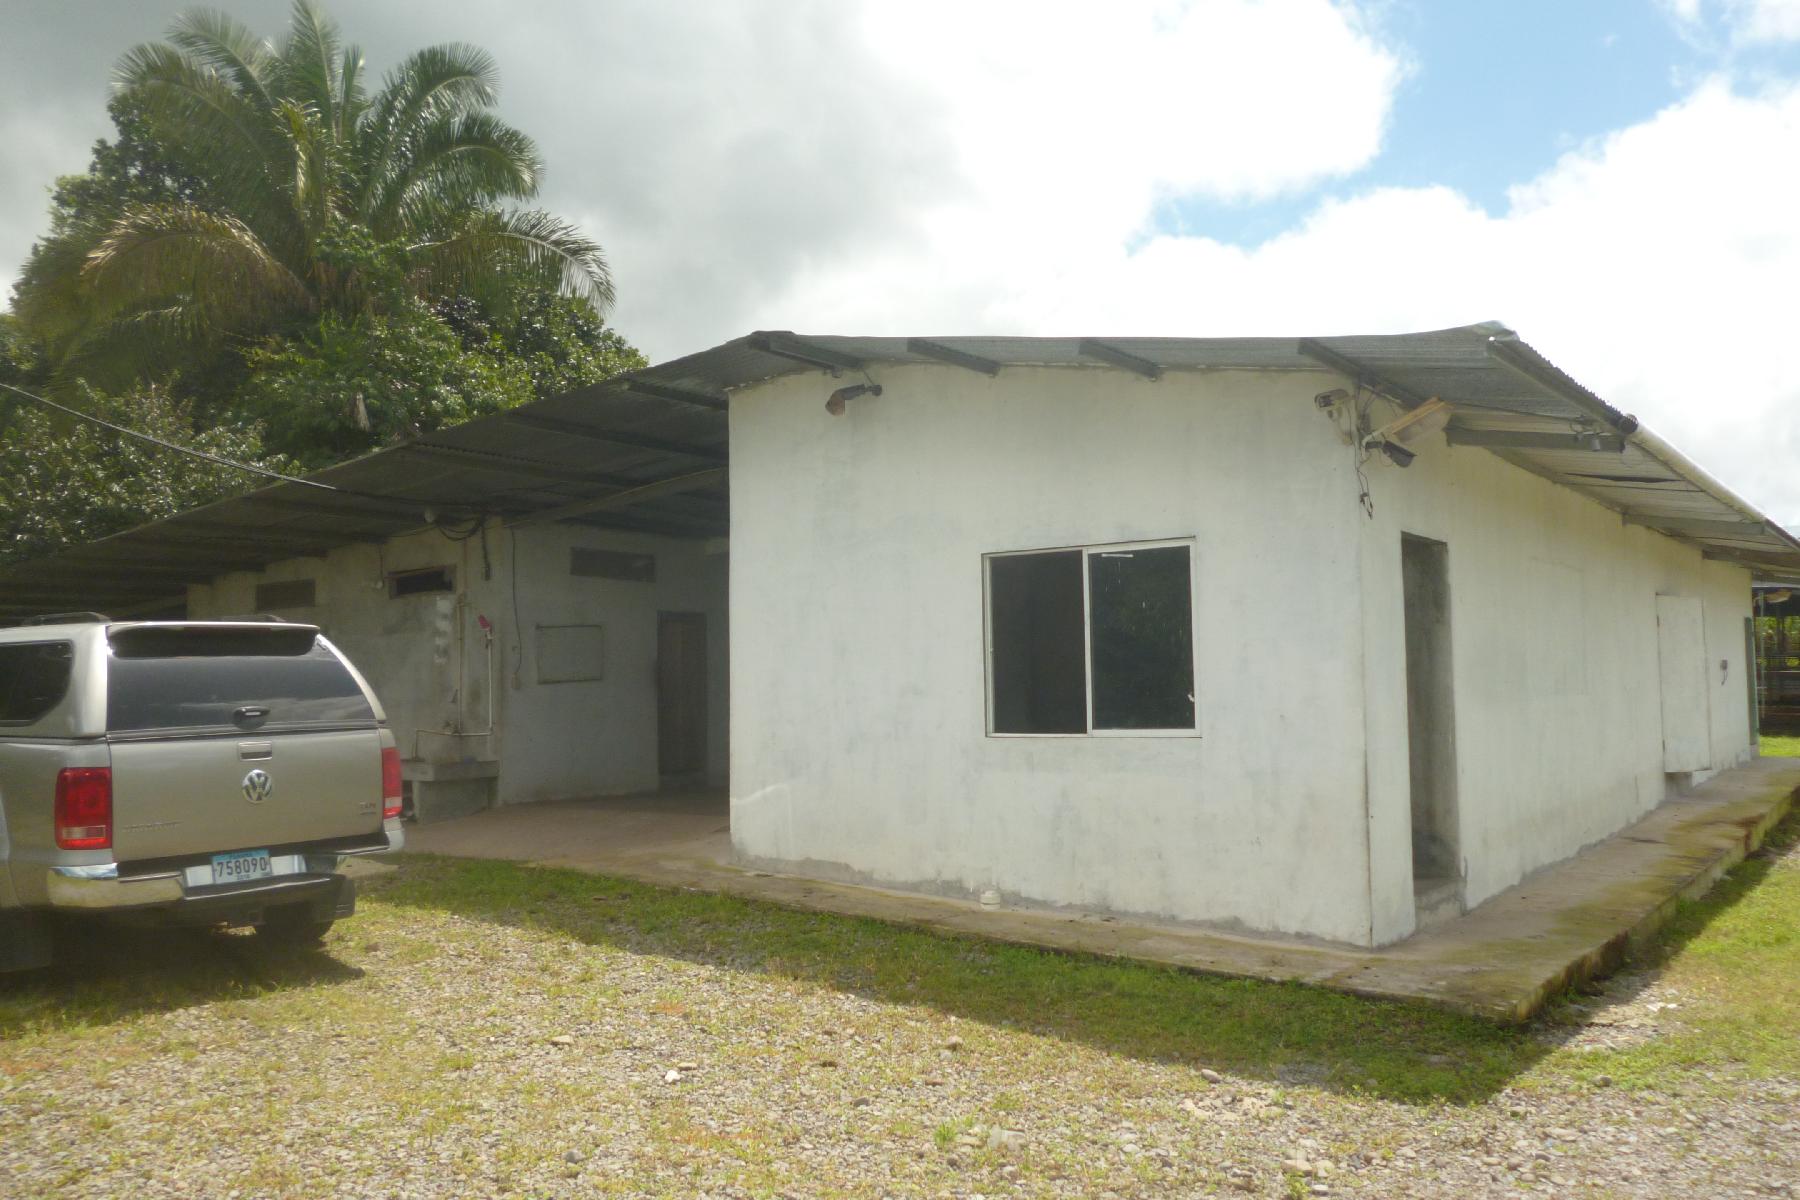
{"x":293,"y":154}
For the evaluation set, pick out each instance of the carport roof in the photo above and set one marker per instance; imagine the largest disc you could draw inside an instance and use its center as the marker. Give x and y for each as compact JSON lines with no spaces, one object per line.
{"x":647,"y":451}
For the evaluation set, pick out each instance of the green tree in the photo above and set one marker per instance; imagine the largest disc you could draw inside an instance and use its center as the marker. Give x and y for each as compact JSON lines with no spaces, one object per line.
{"x":248,"y":161}
{"x":64,"y":480}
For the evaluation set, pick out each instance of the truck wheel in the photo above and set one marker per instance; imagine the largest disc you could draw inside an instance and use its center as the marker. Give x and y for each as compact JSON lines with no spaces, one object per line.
{"x":293,"y":925}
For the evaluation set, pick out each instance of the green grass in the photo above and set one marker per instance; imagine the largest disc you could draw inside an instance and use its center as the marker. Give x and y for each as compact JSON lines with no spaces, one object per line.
{"x":1780,"y":746}
{"x":1734,"y":957}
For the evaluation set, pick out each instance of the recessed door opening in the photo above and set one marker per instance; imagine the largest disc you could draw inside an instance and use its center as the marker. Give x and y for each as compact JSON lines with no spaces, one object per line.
{"x":681,"y":697}
{"x":1431,"y":729}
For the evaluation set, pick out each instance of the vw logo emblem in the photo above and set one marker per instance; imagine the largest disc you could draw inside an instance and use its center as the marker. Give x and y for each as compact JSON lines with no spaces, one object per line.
{"x":258,"y":786}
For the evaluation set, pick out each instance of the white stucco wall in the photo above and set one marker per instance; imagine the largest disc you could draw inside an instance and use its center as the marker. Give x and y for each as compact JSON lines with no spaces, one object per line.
{"x":1558,"y":697}
{"x":858,"y":729}
{"x":424,"y":654}
{"x":859,"y":724}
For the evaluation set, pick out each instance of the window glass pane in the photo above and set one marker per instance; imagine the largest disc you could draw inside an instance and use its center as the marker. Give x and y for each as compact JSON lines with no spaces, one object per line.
{"x":34,"y":676}
{"x":1141,"y":607}
{"x":1040,"y":685}
{"x":187,"y":679}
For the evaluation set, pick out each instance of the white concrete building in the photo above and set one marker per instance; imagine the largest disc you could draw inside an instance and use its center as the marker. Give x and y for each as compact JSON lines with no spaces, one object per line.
{"x":1158,"y":627}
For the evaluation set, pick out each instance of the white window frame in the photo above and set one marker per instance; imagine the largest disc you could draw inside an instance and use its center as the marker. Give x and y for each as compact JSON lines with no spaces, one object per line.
{"x":1087,"y":633}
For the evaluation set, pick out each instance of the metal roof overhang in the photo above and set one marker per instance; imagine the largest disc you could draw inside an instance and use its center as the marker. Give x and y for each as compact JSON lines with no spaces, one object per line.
{"x":647,"y":452}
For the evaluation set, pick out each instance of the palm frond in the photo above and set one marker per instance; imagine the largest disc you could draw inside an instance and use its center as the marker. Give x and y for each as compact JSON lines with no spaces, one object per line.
{"x":211,"y":266}
{"x":307,"y":61}
{"x":318,"y":183}
{"x":353,"y":100}
{"x":431,"y":85}
{"x":470,"y":161}
{"x":489,"y":243}
{"x":217,"y":132}
{"x":214,"y":40}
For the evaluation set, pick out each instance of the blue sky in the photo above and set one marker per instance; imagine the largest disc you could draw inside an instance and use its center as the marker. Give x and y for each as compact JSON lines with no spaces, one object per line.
{"x":1495,"y":93}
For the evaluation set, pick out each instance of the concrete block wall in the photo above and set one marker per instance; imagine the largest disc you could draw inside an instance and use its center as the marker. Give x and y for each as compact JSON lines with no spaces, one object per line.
{"x":427,"y":656}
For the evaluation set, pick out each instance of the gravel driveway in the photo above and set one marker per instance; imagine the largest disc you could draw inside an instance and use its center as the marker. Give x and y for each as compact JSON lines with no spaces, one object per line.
{"x":428,"y":1052}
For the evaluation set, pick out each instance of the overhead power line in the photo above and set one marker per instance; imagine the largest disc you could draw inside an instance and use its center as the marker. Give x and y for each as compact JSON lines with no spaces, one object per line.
{"x":216,"y":459}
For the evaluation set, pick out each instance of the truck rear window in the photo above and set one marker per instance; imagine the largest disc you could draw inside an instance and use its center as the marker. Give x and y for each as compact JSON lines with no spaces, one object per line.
{"x":34,"y":677}
{"x":227,"y":679}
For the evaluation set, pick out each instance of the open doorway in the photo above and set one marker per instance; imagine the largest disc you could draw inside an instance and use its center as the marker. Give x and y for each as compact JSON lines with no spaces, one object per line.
{"x":681,"y":697}
{"x":1431,"y":729}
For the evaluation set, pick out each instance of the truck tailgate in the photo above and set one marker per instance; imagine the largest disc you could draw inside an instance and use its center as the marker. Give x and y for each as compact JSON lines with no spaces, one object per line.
{"x":236,"y":737}
{"x":192,"y":796}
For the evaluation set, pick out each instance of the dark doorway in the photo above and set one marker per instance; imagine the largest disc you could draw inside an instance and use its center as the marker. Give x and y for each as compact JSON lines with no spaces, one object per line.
{"x":1431,"y":727}
{"x":681,"y":696}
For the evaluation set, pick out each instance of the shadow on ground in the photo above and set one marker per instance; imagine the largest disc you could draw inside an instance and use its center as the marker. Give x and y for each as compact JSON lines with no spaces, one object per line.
{"x":105,"y":973}
{"x":1282,"y":1033}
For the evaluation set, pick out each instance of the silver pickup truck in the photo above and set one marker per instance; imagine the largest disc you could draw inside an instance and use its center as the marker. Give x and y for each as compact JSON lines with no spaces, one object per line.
{"x":190,"y":772}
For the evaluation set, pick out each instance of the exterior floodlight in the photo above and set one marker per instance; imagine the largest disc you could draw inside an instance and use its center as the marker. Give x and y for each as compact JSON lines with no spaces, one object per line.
{"x":1397,"y":454}
{"x":1410,"y":426}
{"x":835,"y":405}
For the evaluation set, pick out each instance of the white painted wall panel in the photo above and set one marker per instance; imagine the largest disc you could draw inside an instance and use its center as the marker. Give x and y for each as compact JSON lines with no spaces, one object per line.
{"x":1558,"y":668}
{"x":859,"y":743}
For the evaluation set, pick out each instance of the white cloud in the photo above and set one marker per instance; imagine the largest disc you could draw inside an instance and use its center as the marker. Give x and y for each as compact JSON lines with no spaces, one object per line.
{"x":1747,"y":22}
{"x":929,"y":168}
{"x":1658,"y":267}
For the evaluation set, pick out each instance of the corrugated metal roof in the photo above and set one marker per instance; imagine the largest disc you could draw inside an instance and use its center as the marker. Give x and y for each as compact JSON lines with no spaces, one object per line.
{"x":630,"y":437}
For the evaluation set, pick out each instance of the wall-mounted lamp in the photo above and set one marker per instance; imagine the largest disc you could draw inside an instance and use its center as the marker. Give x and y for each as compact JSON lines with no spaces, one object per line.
{"x":1397,"y":454}
{"x":1411,"y":426}
{"x":835,"y":405}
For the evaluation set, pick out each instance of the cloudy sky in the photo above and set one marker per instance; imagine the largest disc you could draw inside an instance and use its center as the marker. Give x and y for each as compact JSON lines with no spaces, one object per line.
{"x":1618,"y":180}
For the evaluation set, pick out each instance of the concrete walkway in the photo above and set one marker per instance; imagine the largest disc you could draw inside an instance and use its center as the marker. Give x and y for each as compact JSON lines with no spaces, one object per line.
{"x":1503,"y":961}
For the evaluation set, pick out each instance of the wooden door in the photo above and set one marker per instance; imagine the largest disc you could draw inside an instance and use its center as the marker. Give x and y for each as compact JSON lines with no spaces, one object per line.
{"x":681,"y":693}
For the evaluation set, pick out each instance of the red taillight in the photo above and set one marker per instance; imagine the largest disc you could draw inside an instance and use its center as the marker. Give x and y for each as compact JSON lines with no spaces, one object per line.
{"x":390,"y":783}
{"x":84,"y":808}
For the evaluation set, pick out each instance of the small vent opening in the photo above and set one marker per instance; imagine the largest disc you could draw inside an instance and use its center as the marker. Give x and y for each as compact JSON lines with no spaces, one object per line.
{"x":418,"y":583}
{"x":590,"y":563}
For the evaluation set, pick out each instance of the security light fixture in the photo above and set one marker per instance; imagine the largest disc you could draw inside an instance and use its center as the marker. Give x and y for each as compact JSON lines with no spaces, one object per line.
{"x":1410,"y":426}
{"x":835,"y":405}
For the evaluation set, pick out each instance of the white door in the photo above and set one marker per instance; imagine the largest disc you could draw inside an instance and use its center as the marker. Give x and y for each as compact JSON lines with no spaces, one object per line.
{"x":1686,"y":698}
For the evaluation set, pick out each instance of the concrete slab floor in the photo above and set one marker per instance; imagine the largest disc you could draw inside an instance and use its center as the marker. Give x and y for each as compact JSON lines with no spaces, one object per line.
{"x":1502,"y":961}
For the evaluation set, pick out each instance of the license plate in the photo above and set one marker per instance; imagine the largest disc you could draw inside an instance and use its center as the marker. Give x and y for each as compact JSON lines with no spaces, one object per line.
{"x":242,"y":866}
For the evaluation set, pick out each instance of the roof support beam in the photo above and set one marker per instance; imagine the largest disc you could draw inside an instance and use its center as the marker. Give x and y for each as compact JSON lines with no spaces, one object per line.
{"x":1696,"y":527}
{"x":350,"y":506}
{"x":782,"y":344}
{"x":1510,"y":354}
{"x":481,"y":460}
{"x":659,"y":524}
{"x":1521,"y":439}
{"x":60,"y":592}
{"x":614,"y":437}
{"x":1113,"y":356}
{"x":1367,"y":377}
{"x":672,"y":486}
{"x":171,"y":559}
{"x":210,"y":534}
{"x":926,"y":348}
{"x":659,"y":391}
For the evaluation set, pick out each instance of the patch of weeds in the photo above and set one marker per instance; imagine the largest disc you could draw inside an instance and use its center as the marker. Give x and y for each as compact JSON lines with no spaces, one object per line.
{"x":945,"y":1135}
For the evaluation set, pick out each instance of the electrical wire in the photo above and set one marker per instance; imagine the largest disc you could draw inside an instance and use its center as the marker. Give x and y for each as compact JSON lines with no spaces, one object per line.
{"x":216,"y":459}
